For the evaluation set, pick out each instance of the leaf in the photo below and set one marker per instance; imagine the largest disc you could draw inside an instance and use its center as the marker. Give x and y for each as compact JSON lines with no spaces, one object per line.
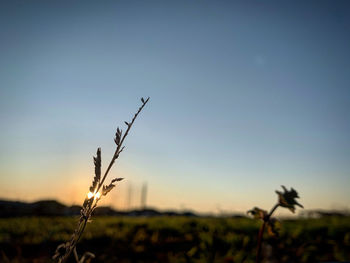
{"x":287,"y":199}
{"x":258,"y":213}
{"x":142,"y":100}
{"x":118,"y":135}
{"x":273,"y":227}
{"x":119,"y":132}
{"x":107,"y":188}
{"x":97,"y":163}
{"x":116,"y":180}
{"x":117,"y":139}
{"x":127,"y":124}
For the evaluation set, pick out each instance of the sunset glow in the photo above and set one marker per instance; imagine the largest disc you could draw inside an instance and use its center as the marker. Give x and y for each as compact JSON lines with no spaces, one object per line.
{"x":245,"y":97}
{"x":95,"y":195}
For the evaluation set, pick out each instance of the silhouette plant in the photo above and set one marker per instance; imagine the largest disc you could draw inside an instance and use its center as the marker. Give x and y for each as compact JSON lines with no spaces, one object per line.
{"x":97,"y":190}
{"x":287,"y":200}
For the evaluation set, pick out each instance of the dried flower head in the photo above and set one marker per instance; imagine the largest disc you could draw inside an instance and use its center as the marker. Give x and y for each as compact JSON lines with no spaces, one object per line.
{"x":287,"y":199}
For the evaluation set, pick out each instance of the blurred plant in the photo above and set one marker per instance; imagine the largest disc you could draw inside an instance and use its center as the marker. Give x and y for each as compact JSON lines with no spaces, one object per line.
{"x":97,"y":190}
{"x":285,"y":199}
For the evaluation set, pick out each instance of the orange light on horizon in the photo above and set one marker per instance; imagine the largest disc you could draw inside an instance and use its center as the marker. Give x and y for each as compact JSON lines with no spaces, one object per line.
{"x":95,"y":195}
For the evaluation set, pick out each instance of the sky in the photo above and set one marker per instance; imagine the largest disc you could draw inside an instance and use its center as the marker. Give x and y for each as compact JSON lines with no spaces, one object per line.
{"x":245,"y":96}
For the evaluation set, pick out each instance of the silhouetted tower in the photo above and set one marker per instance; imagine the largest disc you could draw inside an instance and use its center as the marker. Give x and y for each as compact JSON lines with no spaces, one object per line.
{"x":144,"y":195}
{"x":129,"y":197}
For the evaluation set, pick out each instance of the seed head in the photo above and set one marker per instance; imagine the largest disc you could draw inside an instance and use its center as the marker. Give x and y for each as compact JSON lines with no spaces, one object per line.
{"x":287,"y":199}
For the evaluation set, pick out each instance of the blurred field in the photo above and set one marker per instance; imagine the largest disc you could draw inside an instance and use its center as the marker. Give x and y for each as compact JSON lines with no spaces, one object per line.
{"x":176,"y":239}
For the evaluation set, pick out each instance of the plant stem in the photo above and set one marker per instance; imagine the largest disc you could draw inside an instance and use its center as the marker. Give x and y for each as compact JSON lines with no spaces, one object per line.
{"x":90,"y":207}
{"x":76,"y":254}
{"x":81,"y":230}
{"x":260,"y":237}
{"x":119,"y":147}
{"x":262,"y":230}
{"x":272,"y":210}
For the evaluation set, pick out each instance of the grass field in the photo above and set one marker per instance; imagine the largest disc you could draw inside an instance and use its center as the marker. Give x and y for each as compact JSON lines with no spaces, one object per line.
{"x":176,"y":239}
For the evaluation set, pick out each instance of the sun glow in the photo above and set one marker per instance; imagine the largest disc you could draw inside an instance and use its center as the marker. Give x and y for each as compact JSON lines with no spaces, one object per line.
{"x":95,"y":195}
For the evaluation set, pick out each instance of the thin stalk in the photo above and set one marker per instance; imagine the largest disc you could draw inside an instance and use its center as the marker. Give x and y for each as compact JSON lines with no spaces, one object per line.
{"x":76,"y":255}
{"x":81,"y":231}
{"x":261,"y":232}
{"x":260,"y":237}
{"x":119,"y":147}
{"x":272,"y":211}
{"x":81,"y":226}
{"x":91,"y":205}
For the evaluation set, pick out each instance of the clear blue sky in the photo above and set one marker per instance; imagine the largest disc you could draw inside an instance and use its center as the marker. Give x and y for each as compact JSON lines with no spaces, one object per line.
{"x":245,"y":96}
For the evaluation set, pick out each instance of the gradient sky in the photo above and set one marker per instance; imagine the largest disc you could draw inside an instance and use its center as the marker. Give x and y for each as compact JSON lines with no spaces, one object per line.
{"x":245,"y":96}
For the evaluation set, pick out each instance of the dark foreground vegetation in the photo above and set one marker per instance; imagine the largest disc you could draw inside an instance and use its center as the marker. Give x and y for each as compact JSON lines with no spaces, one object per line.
{"x":176,"y":239}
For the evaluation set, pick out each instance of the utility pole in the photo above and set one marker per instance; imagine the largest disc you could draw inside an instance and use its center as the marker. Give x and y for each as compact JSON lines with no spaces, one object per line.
{"x":143,"y":195}
{"x":129,"y":197}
